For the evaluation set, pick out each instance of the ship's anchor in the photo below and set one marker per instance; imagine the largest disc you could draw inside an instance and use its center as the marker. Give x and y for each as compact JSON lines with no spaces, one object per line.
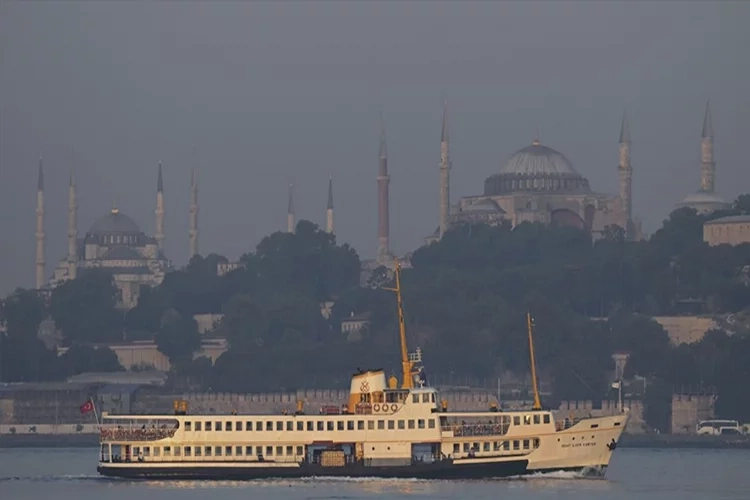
{"x":612,"y":445}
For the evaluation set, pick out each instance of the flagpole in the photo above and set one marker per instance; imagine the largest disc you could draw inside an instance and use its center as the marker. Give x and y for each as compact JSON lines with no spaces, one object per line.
{"x":96,"y":413}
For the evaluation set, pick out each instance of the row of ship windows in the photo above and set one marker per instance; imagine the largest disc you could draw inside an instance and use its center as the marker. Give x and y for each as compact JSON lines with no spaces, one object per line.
{"x":528,"y":419}
{"x":217,"y":451}
{"x":340,"y":425}
{"x":496,"y":446}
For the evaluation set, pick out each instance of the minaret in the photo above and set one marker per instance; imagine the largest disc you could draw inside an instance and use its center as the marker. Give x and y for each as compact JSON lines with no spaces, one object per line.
{"x":290,"y":212}
{"x":193,"y":232}
{"x":40,"y":227}
{"x":159,"y":235}
{"x":708,"y":166}
{"x":445,"y":167}
{"x":626,"y":177}
{"x":384,"y":250}
{"x":72,"y":227}
{"x":329,"y":208}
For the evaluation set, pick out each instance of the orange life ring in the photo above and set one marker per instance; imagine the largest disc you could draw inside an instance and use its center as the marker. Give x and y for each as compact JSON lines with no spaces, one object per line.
{"x":394,"y":407}
{"x":376,"y":407}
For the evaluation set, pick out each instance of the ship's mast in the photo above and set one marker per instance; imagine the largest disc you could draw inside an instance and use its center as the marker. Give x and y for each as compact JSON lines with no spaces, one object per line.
{"x":406,"y":366}
{"x":537,"y":402}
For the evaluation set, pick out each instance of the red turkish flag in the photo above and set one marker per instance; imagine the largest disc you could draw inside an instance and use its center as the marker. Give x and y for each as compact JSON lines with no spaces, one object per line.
{"x":87,"y":406}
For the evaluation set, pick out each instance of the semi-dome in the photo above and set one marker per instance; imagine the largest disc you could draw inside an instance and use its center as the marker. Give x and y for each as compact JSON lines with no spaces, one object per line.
{"x":538,"y":160}
{"x":536,"y":168}
{"x":704,"y":202}
{"x":115,"y":223}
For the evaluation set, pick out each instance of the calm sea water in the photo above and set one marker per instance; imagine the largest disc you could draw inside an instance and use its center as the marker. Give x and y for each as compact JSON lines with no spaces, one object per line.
{"x":70,"y":474}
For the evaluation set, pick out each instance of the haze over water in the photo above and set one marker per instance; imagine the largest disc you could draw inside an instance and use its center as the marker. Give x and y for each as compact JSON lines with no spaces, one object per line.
{"x":70,"y":474}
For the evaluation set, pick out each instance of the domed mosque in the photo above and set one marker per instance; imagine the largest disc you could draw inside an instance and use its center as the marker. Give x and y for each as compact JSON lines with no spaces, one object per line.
{"x":115,"y":243}
{"x":540,"y":184}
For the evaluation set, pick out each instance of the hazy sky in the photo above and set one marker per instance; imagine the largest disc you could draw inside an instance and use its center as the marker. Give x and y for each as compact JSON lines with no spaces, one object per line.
{"x":272,"y":93}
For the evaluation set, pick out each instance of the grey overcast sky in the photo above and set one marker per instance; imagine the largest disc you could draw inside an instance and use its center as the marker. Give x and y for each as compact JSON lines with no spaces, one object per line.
{"x":278,"y":92}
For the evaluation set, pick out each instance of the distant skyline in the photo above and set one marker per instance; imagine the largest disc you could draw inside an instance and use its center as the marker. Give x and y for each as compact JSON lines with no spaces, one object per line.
{"x":256,"y":96}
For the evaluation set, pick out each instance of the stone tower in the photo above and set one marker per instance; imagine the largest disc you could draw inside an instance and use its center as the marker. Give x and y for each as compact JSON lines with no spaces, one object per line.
{"x":708,"y":166}
{"x":39,"y":282}
{"x":159,"y":234}
{"x":445,"y":166}
{"x":72,"y":227}
{"x":193,"y":232}
{"x":290,"y":212}
{"x":626,"y":177}
{"x":329,"y":208}
{"x":384,"y":250}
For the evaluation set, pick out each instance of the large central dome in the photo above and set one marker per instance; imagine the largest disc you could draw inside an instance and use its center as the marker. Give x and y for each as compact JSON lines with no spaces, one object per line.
{"x":537,"y":159}
{"x":536,"y":168}
{"x":115,"y":223}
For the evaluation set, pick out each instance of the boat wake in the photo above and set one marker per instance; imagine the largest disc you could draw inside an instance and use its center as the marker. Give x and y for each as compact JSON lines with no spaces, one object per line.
{"x":53,"y":478}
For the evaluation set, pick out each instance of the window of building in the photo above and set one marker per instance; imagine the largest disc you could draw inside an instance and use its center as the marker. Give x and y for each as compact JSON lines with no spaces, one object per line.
{"x":546,"y":418}
{"x":167,"y":451}
{"x":431,"y":423}
{"x":217,"y":451}
{"x":228,"y":451}
{"x":340,"y":425}
{"x":370,"y":425}
{"x":289,"y":451}
{"x":537,"y":419}
{"x":321,"y":426}
{"x":300,"y":426}
{"x":391,"y":425}
{"x":310,"y":425}
{"x":381,"y":424}
{"x":269,"y":426}
{"x":516,"y":445}
{"x":207,"y":449}
{"x":136,"y":451}
{"x":279,"y":426}
{"x":432,"y":397}
{"x":485,"y":446}
{"x":536,"y":443}
{"x":249,"y":426}
{"x":269,"y":451}
{"x":156,"y":451}
{"x":506,"y":445}
{"x":420,"y":423}
{"x":198,"y":451}
{"x":496,"y":446}
{"x":410,"y":424}
{"x":188,"y":451}
{"x":415,"y":398}
{"x":228,"y":426}
{"x":208,"y":426}
{"x":525,"y":444}
{"x":290,"y":426}
{"x":425,"y":398}
{"x":516,"y":420}
{"x":527,"y":420}
{"x":401,"y":424}
{"x":329,"y":426}
{"x":300,"y":451}
{"x":456,"y":447}
{"x":238,"y":426}
{"x":217,"y":426}
{"x":360,"y":425}
{"x":197,"y":426}
{"x":177,"y":451}
{"x":188,"y":426}
{"x":466,"y":447}
{"x":248,"y":451}
{"x":238,"y":450}
{"x":279,"y":450}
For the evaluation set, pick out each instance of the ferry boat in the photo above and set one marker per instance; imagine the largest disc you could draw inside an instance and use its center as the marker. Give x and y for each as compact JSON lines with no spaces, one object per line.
{"x":386,"y":430}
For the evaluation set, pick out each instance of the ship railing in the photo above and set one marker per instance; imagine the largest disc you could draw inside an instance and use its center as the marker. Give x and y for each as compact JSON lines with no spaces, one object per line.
{"x":461,"y":430}
{"x":135,"y":434}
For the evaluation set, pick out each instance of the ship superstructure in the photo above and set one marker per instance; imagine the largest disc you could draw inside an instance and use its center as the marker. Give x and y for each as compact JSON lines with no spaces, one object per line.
{"x":388,"y":428}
